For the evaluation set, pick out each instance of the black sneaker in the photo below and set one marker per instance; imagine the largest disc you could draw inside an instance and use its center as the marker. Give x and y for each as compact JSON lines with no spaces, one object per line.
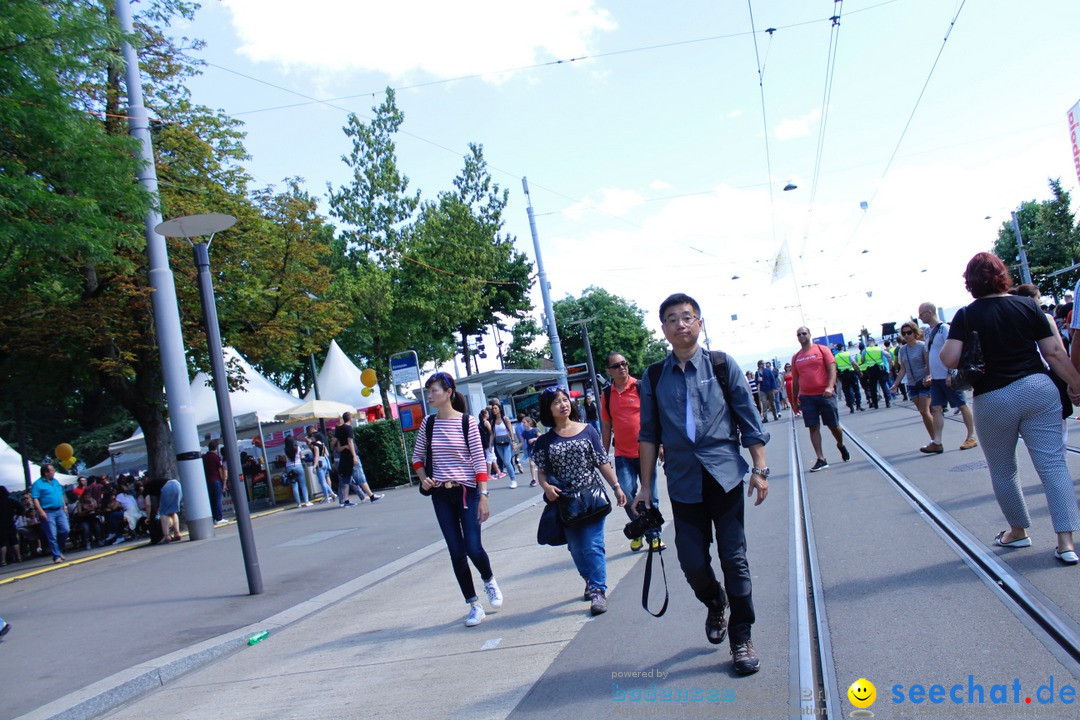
{"x":5,"y":629}
{"x":716,"y":625}
{"x":820,"y":465}
{"x":599,"y":602}
{"x":744,"y":658}
{"x":587,"y":595}
{"x":844,"y":454}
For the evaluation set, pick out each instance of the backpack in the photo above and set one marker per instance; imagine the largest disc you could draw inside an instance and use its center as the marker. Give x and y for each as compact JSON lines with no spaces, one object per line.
{"x":719,"y":365}
{"x":607,"y":398}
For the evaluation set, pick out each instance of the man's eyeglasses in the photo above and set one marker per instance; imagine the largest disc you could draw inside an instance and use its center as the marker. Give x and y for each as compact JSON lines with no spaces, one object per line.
{"x":684,"y":319}
{"x":616,"y":366}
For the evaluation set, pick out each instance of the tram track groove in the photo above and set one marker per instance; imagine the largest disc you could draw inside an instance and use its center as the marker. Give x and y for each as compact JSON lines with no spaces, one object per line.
{"x":813,"y":667}
{"x":1051,"y":625}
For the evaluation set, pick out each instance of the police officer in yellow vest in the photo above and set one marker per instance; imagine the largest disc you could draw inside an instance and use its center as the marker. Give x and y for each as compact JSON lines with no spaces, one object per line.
{"x":849,"y":378}
{"x":875,"y":364}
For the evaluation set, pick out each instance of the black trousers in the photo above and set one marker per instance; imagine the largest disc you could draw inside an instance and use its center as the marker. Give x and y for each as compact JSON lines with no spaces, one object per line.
{"x":694,"y":524}
{"x":850,"y":382}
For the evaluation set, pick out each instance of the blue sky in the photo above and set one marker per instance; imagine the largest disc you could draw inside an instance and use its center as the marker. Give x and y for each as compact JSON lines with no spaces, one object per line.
{"x":646,"y":154}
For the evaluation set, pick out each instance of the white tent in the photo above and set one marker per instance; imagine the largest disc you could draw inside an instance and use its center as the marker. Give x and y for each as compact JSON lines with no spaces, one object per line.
{"x":11,"y":470}
{"x":254,"y":403}
{"x":339,"y":380}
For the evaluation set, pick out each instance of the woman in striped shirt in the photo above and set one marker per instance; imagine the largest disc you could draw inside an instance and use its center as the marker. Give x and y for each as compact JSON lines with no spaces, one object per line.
{"x":456,"y":476}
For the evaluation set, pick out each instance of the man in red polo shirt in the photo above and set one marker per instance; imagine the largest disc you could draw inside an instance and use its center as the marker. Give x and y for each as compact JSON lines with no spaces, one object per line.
{"x":814,"y":371}
{"x":620,"y":409}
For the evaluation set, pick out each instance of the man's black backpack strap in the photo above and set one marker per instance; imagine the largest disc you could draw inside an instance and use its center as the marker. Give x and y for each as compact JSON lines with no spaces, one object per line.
{"x":719,"y":360}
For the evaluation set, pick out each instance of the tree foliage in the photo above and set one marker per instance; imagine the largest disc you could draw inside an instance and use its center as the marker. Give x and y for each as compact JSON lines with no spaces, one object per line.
{"x":1051,"y":241}
{"x":520,"y":353}
{"x":617,"y":325}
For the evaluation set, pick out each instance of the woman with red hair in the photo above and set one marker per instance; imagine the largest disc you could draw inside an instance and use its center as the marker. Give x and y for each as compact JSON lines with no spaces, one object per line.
{"x":1015,"y":398}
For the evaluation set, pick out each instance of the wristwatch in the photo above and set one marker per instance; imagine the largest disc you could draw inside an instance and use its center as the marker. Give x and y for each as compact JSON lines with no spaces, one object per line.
{"x":484,"y":493}
{"x":763,"y":472}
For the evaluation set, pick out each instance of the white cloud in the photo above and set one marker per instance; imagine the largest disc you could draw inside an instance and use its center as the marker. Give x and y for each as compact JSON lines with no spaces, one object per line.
{"x":437,"y":38}
{"x":614,"y":202}
{"x":791,"y":128}
{"x":659,"y":184}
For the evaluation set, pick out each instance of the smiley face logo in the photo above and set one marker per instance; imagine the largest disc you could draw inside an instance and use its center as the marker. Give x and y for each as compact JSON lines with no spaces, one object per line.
{"x":862,"y":693}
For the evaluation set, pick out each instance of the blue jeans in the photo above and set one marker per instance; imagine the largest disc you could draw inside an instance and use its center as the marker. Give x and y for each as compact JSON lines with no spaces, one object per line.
{"x":458,"y":511}
{"x":586,"y":546}
{"x":628,"y":470}
{"x":56,"y":529}
{"x":505,"y":452}
{"x":321,"y":472}
{"x":299,"y":488}
{"x":214,"y":487}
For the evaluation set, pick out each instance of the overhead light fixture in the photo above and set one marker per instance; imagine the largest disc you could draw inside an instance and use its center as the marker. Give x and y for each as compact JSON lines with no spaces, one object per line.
{"x":790,"y":186}
{"x":734,"y":277}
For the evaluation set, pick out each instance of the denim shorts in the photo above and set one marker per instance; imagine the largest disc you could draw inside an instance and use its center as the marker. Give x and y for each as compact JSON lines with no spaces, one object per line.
{"x":819,"y":409}
{"x":915,"y":390}
{"x":940,"y":394}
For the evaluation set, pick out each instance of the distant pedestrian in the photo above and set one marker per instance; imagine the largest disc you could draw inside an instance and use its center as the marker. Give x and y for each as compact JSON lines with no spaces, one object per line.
{"x":915,"y":374}
{"x":592,"y":412}
{"x":9,"y":534}
{"x":48,"y":497}
{"x":504,"y":441}
{"x":320,"y":461}
{"x":766,"y":382}
{"x":484,"y":420}
{"x":456,"y":476}
{"x":942,"y":392}
{"x":529,"y":435}
{"x":294,"y":473}
{"x":1015,"y":398}
{"x":789,"y":389}
{"x":214,"y":470}
{"x":814,"y":372}
{"x":876,"y":367}
{"x":570,"y":457}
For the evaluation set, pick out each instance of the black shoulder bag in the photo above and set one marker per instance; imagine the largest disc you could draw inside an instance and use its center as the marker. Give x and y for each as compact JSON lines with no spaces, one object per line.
{"x":972,"y":367}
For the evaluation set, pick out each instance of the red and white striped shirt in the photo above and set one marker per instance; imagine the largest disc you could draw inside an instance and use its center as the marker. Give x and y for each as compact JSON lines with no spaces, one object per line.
{"x":451,"y":459}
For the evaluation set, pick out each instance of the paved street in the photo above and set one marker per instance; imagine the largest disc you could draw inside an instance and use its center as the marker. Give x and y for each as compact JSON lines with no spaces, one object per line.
{"x":365,"y":618}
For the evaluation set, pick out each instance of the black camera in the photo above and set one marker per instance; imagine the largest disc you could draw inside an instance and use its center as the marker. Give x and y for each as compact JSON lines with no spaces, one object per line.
{"x":648,"y":519}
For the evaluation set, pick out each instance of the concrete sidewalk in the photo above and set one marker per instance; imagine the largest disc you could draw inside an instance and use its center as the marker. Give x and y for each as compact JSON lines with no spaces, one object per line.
{"x":395,"y":646}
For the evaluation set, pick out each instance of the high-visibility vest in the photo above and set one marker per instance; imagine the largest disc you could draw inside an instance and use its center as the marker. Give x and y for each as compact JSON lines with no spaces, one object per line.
{"x":843,"y":360}
{"x":872,"y":356}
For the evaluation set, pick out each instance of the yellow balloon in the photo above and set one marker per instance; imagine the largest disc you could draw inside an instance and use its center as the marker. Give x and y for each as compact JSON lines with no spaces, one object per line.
{"x":365,"y":392}
{"x":63,"y":451}
{"x":369,"y":378}
{"x":68,"y":463}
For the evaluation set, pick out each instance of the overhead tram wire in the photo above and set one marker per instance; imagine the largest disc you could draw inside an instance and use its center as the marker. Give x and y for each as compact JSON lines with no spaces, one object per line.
{"x":826,"y":97}
{"x":888,"y":165}
{"x":549,"y":63}
{"x":764,"y":118}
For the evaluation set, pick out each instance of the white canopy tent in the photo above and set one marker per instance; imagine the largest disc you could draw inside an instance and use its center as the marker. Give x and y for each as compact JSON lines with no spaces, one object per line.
{"x":339,"y":380}
{"x":253,"y":404}
{"x":11,"y":470}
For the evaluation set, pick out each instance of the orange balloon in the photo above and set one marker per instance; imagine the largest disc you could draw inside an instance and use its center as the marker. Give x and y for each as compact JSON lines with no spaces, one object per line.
{"x":369,"y":378}
{"x":63,"y":451}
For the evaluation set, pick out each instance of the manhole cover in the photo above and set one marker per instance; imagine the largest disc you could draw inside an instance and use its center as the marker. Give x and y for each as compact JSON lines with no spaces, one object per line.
{"x":968,"y":467}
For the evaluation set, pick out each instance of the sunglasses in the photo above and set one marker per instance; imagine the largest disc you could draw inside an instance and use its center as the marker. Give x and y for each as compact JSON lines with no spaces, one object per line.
{"x":555,"y":389}
{"x":618,"y":365}
{"x":906,"y":332}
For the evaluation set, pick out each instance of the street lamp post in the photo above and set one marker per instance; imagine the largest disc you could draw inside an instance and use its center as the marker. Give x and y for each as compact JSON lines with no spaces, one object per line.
{"x":189,"y":227}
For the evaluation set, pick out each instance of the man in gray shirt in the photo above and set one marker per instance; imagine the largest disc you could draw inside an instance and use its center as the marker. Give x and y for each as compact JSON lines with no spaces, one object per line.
{"x":699,"y":417}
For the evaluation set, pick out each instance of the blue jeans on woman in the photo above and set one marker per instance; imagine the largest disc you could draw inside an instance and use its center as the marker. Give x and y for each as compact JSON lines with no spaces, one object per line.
{"x":299,"y":487}
{"x":586,"y":545}
{"x":322,"y":472}
{"x":56,"y":528}
{"x":458,"y":512}
{"x":505,"y":453}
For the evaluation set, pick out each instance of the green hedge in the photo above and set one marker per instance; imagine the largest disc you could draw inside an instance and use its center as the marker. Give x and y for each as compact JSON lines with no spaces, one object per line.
{"x":379,"y":444}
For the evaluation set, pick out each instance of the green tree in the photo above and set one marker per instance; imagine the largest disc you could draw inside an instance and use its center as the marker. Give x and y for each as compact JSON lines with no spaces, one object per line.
{"x":1051,"y":241}
{"x":617,"y":325}
{"x":520,"y":353}
{"x":484,"y":278}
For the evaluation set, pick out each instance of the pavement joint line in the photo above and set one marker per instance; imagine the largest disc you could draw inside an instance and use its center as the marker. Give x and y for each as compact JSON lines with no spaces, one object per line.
{"x":126,"y":685}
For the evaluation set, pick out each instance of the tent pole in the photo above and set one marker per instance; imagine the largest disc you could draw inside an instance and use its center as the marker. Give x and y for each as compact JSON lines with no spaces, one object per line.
{"x":266,"y":465}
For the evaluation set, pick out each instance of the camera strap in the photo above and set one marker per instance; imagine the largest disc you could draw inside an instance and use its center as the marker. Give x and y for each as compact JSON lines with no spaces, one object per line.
{"x":648,"y":581}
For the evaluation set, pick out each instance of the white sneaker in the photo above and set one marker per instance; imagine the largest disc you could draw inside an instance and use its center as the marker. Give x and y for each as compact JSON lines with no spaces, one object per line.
{"x":476,"y":614}
{"x":307,"y":504}
{"x":513,"y":484}
{"x":495,"y":596}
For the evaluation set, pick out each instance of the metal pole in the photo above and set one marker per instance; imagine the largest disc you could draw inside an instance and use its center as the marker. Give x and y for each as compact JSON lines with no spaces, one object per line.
{"x":545,"y":291}
{"x":266,"y":464}
{"x":588,"y":356}
{"x":166,"y":313}
{"x":225,"y":417}
{"x":1025,"y":271}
